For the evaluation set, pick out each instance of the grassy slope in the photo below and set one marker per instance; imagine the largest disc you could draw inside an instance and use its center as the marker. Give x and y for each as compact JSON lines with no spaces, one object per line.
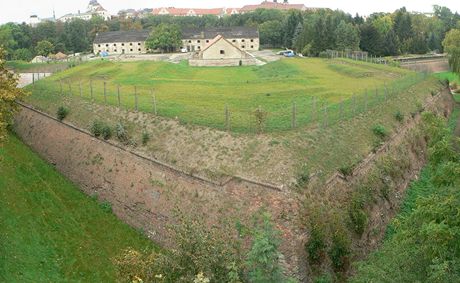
{"x":419,"y":189}
{"x":49,"y":230}
{"x":199,"y":94}
{"x":26,"y":67}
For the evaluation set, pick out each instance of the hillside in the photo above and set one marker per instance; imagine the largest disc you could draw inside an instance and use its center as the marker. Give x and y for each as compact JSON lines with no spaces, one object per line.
{"x":49,"y":230}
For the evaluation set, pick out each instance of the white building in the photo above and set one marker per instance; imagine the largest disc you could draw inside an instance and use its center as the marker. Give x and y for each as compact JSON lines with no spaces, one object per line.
{"x":93,"y":9}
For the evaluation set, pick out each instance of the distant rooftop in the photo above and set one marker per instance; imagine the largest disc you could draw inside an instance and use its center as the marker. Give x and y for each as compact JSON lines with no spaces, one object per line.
{"x":227,"y":32}
{"x":122,"y":36}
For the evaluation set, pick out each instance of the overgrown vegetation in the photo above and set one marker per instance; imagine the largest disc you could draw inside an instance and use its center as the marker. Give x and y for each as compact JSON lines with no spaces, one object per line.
{"x":423,"y":243}
{"x":209,"y":254}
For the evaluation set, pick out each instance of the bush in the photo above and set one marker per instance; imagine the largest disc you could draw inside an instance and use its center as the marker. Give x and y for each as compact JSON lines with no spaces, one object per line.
{"x":340,"y":249}
{"x":303,"y":176}
{"x":380,"y":131}
{"x":62,"y":112}
{"x":106,"y":132}
{"x":106,"y":206}
{"x":145,"y":138}
{"x":347,"y":170}
{"x":121,"y":133}
{"x":316,"y":245}
{"x":96,"y":128}
{"x":399,"y":116}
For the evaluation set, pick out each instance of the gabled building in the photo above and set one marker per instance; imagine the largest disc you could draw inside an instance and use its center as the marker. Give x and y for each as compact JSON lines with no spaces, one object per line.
{"x":121,"y":42}
{"x":190,"y":12}
{"x":273,"y":5}
{"x":221,"y":52}
{"x":245,"y":38}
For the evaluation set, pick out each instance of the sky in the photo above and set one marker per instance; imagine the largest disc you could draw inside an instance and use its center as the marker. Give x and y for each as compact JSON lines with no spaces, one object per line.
{"x":20,"y":10}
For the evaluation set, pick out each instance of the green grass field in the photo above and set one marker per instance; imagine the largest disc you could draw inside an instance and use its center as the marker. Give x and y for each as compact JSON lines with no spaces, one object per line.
{"x":199,"y":95}
{"x":26,"y":67}
{"x":49,"y":230}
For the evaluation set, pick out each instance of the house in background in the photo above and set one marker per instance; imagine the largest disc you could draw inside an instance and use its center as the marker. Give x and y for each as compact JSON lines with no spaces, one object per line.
{"x":273,"y":5}
{"x":121,"y":42}
{"x":245,"y":38}
{"x":93,"y":9}
{"x":221,"y":52}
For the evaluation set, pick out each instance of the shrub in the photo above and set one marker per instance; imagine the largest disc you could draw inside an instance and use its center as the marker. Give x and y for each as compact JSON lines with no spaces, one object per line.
{"x":62,"y":112}
{"x":96,"y":128}
{"x":145,"y":138}
{"x":347,"y":170}
{"x":399,"y":116}
{"x":303,"y":176}
{"x":340,"y":249}
{"x":380,"y":131}
{"x":106,"y":206}
{"x":106,"y":132}
{"x":316,"y":245}
{"x":121,"y":133}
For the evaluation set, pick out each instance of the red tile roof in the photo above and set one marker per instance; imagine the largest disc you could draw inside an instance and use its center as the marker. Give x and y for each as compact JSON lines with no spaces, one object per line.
{"x":273,"y":5}
{"x":187,"y":11}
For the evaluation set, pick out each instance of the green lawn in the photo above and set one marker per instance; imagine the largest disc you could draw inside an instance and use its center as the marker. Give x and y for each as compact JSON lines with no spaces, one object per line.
{"x":199,"y":95}
{"x":449,"y":75}
{"x":26,"y":67}
{"x":49,"y":230}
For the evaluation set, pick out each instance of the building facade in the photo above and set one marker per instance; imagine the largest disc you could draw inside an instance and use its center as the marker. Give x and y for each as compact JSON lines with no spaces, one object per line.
{"x":222,"y":52}
{"x":93,"y":9}
{"x":121,"y":42}
{"x":245,"y":38}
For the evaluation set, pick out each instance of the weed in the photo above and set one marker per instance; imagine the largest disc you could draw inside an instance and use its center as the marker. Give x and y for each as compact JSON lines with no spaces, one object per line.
{"x":380,"y":131}
{"x":303,"y":176}
{"x":145,"y":138}
{"x":62,"y":112}
{"x":106,"y":132}
{"x":316,"y":245}
{"x":399,"y":116}
{"x":106,"y":206}
{"x":96,"y":128}
{"x":121,"y":133}
{"x":347,"y":170}
{"x":339,"y":250}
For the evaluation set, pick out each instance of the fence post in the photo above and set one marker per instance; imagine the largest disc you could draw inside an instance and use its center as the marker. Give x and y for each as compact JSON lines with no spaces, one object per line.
{"x":294,"y":115}
{"x":79,"y":85}
{"x":365,"y":100}
{"x":91,"y":88}
{"x":118,"y":96}
{"x":154,"y":102}
{"x":135,"y":98}
{"x":325,"y":116}
{"x":33,"y":78}
{"x":105,"y":92}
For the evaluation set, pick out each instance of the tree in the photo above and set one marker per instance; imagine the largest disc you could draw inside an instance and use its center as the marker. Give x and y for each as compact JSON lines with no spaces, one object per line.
{"x":44,"y":48}
{"x":165,"y":37}
{"x":371,"y":40}
{"x":7,"y":40}
{"x":9,"y":93}
{"x":22,"y":54}
{"x":451,"y":44}
{"x":271,"y":33}
{"x":292,"y":21}
{"x":347,"y":37}
{"x":263,"y":258}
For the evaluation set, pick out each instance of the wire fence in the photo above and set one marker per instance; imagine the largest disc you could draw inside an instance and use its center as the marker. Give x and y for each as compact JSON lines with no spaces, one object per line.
{"x":269,"y":117}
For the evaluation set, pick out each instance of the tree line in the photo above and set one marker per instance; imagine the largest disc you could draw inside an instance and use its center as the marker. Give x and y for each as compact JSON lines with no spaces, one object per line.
{"x":310,"y":32}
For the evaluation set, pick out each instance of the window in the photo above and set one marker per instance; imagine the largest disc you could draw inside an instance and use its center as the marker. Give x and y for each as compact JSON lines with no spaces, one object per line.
{"x":242,"y":46}
{"x":252,"y":46}
{"x":198,"y":41}
{"x":114,"y":44}
{"x":234,"y":40}
{"x":98,"y":45}
{"x":222,"y":52}
{"x":242,"y":40}
{"x":189,"y":41}
{"x":199,"y":47}
{"x":131,"y":44}
{"x":131,"y":50}
{"x":114,"y":50}
{"x":207,"y":40}
{"x":106,"y":45}
{"x":122,"y":44}
{"x":100,"y":51}
{"x":139,"y":44}
{"x":139,"y":49}
{"x":252,"y":40}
